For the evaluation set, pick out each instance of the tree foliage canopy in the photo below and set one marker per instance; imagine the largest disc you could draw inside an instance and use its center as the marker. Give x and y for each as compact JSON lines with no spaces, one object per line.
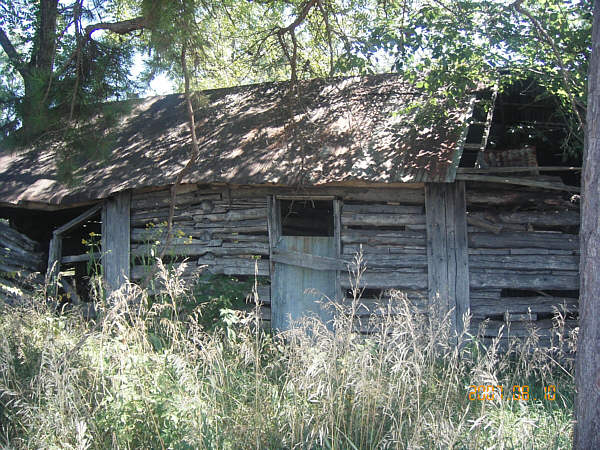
{"x":64,"y":57}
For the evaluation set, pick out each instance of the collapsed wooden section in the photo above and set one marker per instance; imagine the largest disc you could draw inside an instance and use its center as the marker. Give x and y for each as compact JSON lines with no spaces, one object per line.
{"x":503,"y":254}
{"x":523,"y":259}
{"x":21,"y":261}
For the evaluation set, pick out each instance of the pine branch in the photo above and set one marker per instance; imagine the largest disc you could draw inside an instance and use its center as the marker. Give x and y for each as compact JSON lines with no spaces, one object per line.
{"x":121,"y":27}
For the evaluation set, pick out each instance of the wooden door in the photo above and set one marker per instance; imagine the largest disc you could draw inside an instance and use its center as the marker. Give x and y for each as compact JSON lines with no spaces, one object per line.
{"x":304,"y":270}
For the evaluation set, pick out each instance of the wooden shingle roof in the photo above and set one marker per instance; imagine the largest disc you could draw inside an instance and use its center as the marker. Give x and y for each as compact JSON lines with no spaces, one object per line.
{"x":373,"y":129}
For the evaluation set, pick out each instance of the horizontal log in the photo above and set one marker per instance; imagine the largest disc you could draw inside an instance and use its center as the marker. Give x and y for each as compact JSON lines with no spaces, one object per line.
{"x":256,"y":224}
{"x":522,"y":280}
{"x":241,"y":237}
{"x":264,"y":296}
{"x":511,"y":317}
{"x":483,"y":223}
{"x":530,"y":262}
{"x":370,"y":208}
{"x":542,"y":251}
{"x":157,"y":217}
{"x":9,"y":235}
{"x":379,"y":237}
{"x":540,"y":218}
{"x":381,"y":220}
{"x":389,"y":280}
{"x":242,"y":267}
{"x":462,"y":170}
{"x":227,"y":249}
{"x":204,"y":234}
{"x":233,"y":216}
{"x":79,"y":258}
{"x":411,"y":194}
{"x":392,"y":261}
{"x":222,"y":265}
{"x":489,"y":251}
{"x":543,"y":328}
{"x":516,"y":197}
{"x":163,"y":199}
{"x":558,"y":186}
{"x":485,"y":294}
{"x":353,"y":249}
{"x":554,"y":218}
{"x":21,"y":256}
{"x":522,"y":305}
{"x":560,"y":241}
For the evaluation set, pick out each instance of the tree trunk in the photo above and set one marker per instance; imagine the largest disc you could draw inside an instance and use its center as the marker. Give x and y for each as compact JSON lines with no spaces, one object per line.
{"x":587,"y":370}
{"x":38,"y":71}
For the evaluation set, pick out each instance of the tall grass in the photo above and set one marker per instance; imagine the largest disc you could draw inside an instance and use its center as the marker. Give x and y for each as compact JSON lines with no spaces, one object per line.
{"x":147,"y":374}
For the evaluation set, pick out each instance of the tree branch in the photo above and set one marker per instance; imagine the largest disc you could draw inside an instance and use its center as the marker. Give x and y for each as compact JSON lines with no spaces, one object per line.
{"x":305,"y":10}
{"x":11,"y":52}
{"x":122,"y":27}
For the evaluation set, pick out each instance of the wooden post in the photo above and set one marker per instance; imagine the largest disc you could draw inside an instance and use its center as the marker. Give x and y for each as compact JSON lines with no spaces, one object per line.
{"x":447,"y":251}
{"x":116,"y":240}
{"x":337,"y":232}
{"x":54,"y":255}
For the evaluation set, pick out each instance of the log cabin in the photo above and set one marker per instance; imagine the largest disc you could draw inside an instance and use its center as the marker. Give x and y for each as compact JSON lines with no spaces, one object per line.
{"x":291,"y":183}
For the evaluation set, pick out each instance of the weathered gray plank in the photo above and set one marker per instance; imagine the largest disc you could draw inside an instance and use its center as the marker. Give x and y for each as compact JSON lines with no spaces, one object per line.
{"x":447,"y":251}
{"x":540,"y":239}
{"x":370,"y":208}
{"x":460,"y":250}
{"x":157,"y":200}
{"x":216,"y":247}
{"x":407,"y":194}
{"x":116,"y":240}
{"x":8,"y":234}
{"x":523,"y":280}
{"x":307,"y":260}
{"x":379,"y":237}
{"x":519,"y":305}
{"x":79,"y":219}
{"x":531,"y":262}
{"x":391,"y":261}
{"x":256,"y":224}
{"x":518,"y":181}
{"x":337,"y":243}
{"x":546,"y":218}
{"x":233,"y":216}
{"x":520,"y":329}
{"x":398,"y":250}
{"x":381,"y":220}
{"x":54,"y":254}
{"x":542,"y":251}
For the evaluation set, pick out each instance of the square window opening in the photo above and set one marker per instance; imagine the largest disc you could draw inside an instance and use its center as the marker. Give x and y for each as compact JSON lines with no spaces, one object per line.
{"x":306,"y":217}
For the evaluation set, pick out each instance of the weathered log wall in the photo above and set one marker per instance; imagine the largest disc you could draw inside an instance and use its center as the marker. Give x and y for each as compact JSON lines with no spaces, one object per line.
{"x":225,"y":231}
{"x":20,"y":264}
{"x":522,"y":245}
{"x":215,"y":231}
{"x":523,"y":258}
{"x":392,"y":235}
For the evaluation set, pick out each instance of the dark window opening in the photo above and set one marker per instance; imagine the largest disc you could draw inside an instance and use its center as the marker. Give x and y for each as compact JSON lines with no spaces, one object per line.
{"x":306,"y":217}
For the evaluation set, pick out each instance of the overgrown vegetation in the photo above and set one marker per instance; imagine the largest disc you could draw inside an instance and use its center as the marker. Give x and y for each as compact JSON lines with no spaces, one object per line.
{"x":148,"y":374}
